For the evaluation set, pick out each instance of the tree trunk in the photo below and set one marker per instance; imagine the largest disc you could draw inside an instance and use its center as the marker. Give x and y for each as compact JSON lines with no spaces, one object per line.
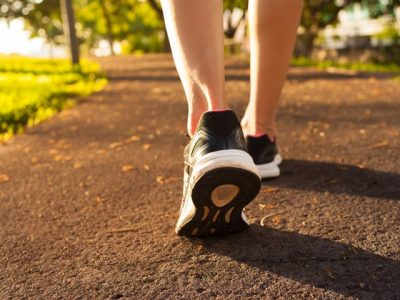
{"x":110,"y":35}
{"x":305,"y":44}
{"x":68,"y":18}
{"x":231,"y":29}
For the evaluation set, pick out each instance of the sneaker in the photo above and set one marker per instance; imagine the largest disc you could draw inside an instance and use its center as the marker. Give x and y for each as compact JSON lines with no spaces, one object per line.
{"x":265,"y":155}
{"x":220,"y":178}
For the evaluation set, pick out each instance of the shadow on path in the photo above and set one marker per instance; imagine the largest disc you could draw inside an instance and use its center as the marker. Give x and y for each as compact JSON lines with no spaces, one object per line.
{"x":337,"y":178}
{"x":171,"y":76}
{"x":168,"y":73}
{"x":320,"y":262}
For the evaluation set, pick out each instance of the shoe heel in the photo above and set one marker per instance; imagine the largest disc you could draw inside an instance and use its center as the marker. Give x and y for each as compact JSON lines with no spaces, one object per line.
{"x":218,"y":199}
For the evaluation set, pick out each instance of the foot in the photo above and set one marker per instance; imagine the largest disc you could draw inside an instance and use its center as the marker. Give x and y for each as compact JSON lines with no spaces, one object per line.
{"x":220,"y":178}
{"x":265,"y":155}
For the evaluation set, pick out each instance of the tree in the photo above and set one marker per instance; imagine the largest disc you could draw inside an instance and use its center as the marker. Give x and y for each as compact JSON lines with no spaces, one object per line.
{"x":229,"y":7}
{"x":15,"y":9}
{"x":139,"y":25}
{"x":154,"y":4}
{"x":317,"y":14}
{"x":107,"y":18}
{"x":40,"y":16}
{"x":133,"y":23}
{"x":68,"y":18}
{"x":43,"y":20}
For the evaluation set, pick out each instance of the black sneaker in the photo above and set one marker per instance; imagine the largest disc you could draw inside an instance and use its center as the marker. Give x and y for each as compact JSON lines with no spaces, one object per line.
{"x":220,"y":178}
{"x":265,"y":155}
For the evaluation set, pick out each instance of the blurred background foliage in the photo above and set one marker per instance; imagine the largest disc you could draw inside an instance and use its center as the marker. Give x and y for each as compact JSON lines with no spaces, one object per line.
{"x":137,"y":25}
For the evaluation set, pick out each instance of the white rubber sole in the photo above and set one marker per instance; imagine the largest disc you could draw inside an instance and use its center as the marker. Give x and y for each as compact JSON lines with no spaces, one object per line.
{"x":270,"y":170}
{"x":224,"y":158}
{"x":208,"y":163}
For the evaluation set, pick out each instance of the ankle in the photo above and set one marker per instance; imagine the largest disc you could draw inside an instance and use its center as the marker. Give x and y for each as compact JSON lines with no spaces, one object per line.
{"x":257,"y":130}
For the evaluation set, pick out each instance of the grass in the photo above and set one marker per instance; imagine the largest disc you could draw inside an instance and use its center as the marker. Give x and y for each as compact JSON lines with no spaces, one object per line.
{"x":33,"y":90}
{"x":356,"y":66}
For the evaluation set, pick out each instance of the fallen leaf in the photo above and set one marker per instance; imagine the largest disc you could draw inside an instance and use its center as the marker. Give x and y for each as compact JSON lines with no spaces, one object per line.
{"x":146,"y":167}
{"x":127,"y":168}
{"x":99,"y":199}
{"x":253,"y":220}
{"x":133,"y":138}
{"x":172,"y":179}
{"x":270,"y":189}
{"x":160,"y":180}
{"x":62,"y":158}
{"x":127,"y":141}
{"x":53,"y":151}
{"x":277,"y":220}
{"x":146,"y":146}
{"x":77,"y":165}
{"x":379,"y":145}
{"x":62,"y":142}
{"x":267,"y":206}
{"x":270,"y":206}
{"x":115,"y":145}
{"x":4,"y":178}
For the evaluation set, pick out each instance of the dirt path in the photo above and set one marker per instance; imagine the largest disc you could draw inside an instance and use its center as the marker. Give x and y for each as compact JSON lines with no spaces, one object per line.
{"x":89,"y":199}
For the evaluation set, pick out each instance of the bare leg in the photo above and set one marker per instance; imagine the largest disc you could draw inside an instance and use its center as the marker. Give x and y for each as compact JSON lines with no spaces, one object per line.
{"x":195,"y":30}
{"x":273,"y":28}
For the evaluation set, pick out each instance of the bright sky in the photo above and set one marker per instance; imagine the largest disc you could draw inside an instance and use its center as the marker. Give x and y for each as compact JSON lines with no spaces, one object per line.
{"x":15,"y":40}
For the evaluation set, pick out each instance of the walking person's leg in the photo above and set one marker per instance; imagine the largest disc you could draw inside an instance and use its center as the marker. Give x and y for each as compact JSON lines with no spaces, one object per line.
{"x":195,"y":31}
{"x":220,"y":177}
{"x":273,"y":29}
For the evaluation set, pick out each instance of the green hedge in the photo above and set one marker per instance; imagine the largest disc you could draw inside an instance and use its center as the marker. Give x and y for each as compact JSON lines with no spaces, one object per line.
{"x":32,"y":90}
